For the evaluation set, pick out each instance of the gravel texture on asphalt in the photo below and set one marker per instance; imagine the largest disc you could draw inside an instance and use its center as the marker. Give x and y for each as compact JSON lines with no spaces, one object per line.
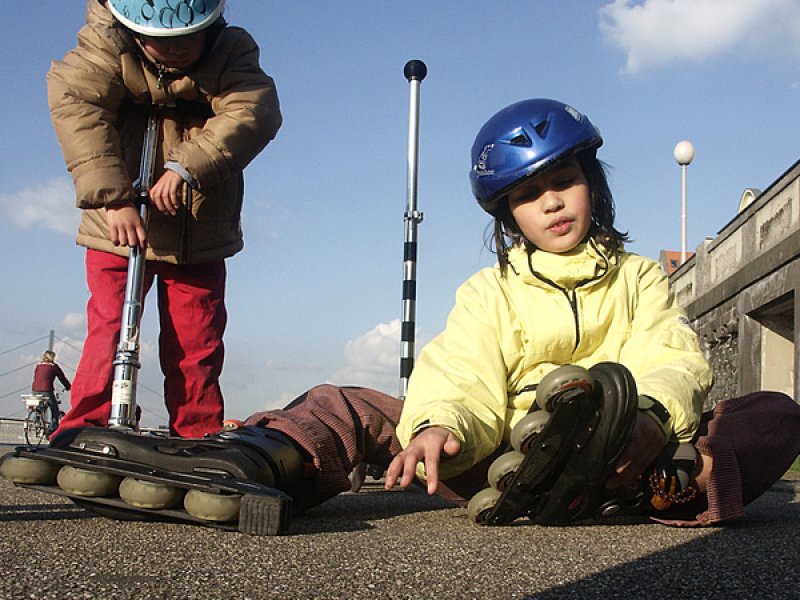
{"x":396,"y":544}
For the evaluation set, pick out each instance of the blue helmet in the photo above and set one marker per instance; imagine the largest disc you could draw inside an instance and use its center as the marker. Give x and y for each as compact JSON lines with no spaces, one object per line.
{"x":522,"y":140}
{"x":166,"y":18}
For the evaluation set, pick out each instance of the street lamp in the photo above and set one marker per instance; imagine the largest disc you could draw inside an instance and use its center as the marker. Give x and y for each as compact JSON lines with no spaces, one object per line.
{"x":684,"y":154}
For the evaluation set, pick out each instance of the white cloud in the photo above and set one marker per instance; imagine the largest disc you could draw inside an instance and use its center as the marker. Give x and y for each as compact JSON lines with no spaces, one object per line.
{"x":373,"y":359}
{"x":74,"y":323}
{"x":50,"y":205}
{"x":654,"y":33}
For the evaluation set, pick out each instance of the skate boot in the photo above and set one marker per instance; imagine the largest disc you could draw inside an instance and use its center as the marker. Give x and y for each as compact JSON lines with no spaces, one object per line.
{"x":563,"y":450}
{"x":668,"y":483}
{"x":238,"y":479}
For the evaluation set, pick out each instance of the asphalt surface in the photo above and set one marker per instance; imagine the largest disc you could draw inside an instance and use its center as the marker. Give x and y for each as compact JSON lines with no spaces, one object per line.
{"x":396,"y":544}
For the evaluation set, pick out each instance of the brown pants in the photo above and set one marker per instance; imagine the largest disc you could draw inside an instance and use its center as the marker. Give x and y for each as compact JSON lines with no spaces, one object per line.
{"x":753,"y":440}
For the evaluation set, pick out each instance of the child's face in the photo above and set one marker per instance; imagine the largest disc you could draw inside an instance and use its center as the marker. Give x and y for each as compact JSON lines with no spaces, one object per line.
{"x":178,"y":52}
{"x":554,"y":209}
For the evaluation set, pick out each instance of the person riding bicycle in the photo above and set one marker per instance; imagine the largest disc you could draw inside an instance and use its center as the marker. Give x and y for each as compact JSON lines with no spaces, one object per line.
{"x":45,"y":374}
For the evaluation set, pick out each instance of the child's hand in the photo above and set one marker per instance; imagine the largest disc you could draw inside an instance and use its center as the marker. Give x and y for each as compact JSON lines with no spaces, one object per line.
{"x":164,"y":192}
{"x":125,"y":226}
{"x":647,"y":441}
{"x":428,"y":446}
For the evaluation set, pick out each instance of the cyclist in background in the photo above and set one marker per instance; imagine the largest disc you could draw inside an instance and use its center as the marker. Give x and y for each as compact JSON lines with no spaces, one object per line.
{"x":45,"y":374}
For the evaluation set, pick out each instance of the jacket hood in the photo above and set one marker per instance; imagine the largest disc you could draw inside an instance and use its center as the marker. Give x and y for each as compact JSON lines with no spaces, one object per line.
{"x":98,"y":14}
{"x":100,"y":19}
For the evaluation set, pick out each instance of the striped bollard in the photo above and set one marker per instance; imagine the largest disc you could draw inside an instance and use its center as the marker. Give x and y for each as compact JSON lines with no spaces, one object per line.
{"x":414,"y":71}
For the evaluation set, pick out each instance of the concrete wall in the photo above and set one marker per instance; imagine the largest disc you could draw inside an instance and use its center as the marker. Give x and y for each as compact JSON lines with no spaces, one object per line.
{"x":742,"y":292}
{"x":11,"y":431}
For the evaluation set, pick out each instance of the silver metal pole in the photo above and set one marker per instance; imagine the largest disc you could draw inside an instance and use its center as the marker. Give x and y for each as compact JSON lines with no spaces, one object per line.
{"x":684,"y":154}
{"x":126,"y":362}
{"x":683,"y":214}
{"x":414,"y":71}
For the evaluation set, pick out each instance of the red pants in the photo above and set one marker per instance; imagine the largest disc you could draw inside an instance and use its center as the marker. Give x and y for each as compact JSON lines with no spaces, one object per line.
{"x":191,"y":307}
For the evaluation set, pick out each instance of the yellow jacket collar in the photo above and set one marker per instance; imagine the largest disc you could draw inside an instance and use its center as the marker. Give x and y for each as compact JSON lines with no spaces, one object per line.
{"x":586,"y":262}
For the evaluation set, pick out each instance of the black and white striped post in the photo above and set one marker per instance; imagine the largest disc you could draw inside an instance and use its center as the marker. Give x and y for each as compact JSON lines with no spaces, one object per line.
{"x":415,"y":71}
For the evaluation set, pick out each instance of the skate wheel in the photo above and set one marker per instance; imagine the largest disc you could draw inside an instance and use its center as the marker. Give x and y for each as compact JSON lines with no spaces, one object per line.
{"x":84,"y":482}
{"x":525,"y":432}
{"x":148,"y":494}
{"x":212,"y":507}
{"x":34,"y":471}
{"x":481,"y":504}
{"x":503,"y":469}
{"x":563,"y":378}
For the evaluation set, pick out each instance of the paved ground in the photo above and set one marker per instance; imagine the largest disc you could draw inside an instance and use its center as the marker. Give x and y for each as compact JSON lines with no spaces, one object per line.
{"x":378,"y":544}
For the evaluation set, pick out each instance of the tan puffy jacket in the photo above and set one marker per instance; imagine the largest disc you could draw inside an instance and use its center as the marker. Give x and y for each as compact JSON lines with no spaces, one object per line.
{"x":506,"y":333}
{"x":216,"y":118}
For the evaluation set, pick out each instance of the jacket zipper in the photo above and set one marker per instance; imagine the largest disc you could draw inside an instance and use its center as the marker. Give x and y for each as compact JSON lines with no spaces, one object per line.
{"x":187,"y":193}
{"x":185,"y":242}
{"x":161,"y":72}
{"x":573,"y":302}
{"x":572,"y":299}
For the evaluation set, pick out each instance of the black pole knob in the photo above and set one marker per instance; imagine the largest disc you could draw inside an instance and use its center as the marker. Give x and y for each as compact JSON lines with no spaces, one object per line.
{"x":415,"y":69}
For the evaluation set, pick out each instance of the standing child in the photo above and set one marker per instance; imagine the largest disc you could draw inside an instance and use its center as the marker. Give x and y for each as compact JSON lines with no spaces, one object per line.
{"x":218,"y":111}
{"x":564,"y":295}
{"x":44,"y":376}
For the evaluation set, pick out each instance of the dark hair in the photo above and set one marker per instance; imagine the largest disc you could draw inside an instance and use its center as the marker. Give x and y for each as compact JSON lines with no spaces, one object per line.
{"x":506,"y":233}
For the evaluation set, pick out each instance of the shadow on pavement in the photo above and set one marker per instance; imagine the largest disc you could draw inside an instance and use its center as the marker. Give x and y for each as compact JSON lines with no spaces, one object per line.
{"x":355,"y":511}
{"x":42,"y":512}
{"x":759,"y":552}
{"x":345,"y":513}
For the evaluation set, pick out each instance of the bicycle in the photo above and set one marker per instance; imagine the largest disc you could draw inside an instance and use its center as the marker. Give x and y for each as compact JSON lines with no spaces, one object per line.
{"x":38,"y":422}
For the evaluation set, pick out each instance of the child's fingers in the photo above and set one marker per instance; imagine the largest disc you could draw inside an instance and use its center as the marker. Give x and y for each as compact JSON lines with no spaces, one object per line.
{"x":164,"y":193}
{"x":452,"y":446}
{"x":125,"y":226}
{"x":410,"y":461}
{"x":162,"y":201}
{"x":141,"y":234}
{"x":392,"y":472}
{"x":432,"y":469}
{"x":402,"y":468}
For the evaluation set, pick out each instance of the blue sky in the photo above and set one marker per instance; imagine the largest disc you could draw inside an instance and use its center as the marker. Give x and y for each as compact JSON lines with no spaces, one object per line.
{"x":316,"y":294}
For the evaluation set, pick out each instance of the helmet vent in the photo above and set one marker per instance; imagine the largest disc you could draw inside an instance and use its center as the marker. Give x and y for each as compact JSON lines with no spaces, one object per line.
{"x":541,"y":128}
{"x":520,"y":140}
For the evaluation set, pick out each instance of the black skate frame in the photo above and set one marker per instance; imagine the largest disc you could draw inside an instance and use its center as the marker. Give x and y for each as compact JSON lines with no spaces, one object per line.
{"x":263,"y":510}
{"x":572,"y":422}
{"x":544,"y":488}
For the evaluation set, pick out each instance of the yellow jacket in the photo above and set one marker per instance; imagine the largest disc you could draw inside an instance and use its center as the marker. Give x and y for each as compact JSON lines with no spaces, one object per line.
{"x":506,"y":333}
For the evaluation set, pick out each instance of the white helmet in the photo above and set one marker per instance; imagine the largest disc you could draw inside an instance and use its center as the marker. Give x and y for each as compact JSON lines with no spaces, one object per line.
{"x":166,"y":18}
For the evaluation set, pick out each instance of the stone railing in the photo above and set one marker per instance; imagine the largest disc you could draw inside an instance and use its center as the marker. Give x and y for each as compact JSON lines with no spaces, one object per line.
{"x":752,"y":262}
